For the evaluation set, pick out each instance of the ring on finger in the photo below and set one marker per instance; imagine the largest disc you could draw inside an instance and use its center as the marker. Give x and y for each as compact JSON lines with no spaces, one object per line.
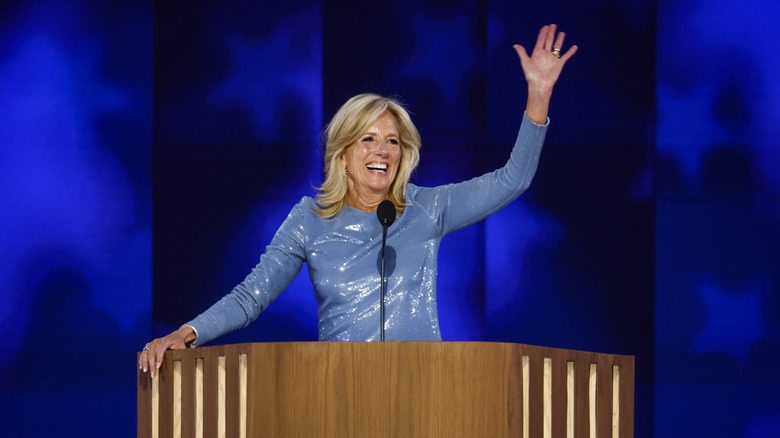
{"x":146,"y":348}
{"x":557,"y":52}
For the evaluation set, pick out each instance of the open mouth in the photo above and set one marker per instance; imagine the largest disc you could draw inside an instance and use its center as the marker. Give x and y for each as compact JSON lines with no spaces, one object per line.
{"x":377,"y":167}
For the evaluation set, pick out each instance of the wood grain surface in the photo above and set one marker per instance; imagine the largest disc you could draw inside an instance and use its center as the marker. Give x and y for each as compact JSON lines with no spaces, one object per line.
{"x":391,"y":389}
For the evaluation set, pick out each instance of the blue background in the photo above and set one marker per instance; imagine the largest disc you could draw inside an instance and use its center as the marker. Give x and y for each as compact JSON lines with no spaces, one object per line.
{"x":150,"y":151}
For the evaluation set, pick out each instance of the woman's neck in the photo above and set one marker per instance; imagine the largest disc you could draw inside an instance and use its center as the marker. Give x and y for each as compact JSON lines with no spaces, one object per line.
{"x":366,"y":201}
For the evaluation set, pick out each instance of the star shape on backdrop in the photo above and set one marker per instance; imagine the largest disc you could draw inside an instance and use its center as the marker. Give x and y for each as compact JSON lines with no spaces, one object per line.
{"x":733,"y":322}
{"x":687,"y":138}
{"x":287,"y":61}
{"x":688,"y":123}
{"x":514,"y":236}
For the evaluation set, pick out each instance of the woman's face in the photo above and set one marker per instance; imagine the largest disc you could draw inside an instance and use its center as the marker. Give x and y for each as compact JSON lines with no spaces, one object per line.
{"x":372,"y":161}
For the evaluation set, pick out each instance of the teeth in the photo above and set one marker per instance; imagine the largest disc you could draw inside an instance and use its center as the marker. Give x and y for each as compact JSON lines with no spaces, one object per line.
{"x":376,"y":166}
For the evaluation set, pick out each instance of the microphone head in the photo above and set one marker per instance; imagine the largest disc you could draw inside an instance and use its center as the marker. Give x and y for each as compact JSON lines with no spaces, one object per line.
{"x":386,"y":213}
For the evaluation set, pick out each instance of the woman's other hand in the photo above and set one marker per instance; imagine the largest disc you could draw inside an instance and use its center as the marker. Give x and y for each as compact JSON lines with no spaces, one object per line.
{"x":152,"y":356}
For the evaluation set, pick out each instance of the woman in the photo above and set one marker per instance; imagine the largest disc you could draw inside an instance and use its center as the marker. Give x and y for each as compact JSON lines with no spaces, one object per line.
{"x":372,"y":148}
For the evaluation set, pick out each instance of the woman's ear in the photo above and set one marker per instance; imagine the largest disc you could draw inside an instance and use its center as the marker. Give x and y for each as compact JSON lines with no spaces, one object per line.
{"x":343,"y":160}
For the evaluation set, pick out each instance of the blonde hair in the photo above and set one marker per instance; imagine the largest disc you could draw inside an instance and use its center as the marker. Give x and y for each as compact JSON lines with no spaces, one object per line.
{"x":350,"y":122}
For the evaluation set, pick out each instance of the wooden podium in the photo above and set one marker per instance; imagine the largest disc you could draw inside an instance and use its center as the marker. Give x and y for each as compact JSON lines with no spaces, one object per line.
{"x":390,"y":389}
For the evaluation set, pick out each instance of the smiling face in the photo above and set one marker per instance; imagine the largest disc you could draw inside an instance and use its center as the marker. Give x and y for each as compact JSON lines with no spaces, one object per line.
{"x":372,"y":163}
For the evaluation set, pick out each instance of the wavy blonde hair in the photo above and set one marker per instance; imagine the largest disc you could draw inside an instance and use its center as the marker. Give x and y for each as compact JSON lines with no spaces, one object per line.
{"x":350,"y":122}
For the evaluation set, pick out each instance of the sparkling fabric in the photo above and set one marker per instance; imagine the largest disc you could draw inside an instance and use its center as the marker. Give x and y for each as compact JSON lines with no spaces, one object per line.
{"x":343,"y":257}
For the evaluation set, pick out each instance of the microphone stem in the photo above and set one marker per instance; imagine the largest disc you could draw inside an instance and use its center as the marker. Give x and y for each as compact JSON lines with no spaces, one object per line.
{"x":382,"y":288}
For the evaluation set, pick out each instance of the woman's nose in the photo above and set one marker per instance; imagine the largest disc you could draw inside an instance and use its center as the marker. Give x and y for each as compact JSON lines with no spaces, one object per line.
{"x":382,"y":149}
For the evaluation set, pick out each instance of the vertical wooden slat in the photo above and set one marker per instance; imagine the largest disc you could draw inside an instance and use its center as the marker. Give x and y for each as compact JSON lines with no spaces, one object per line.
{"x":165,"y":375}
{"x":243,"y":364}
{"x":581,"y":396}
{"x":604,"y":391}
{"x":199,"y":395}
{"x":559,"y":359}
{"x":627,"y":398}
{"x":514,"y":381}
{"x":177,"y":399}
{"x":592,"y":400}
{"x":615,"y":401}
{"x":143,"y":402}
{"x":569,"y":399}
{"x":536,"y":408}
{"x":232,"y":392}
{"x":156,"y":406}
{"x":210,"y":395}
{"x":526,"y":394}
{"x":221,"y":378}
{"x":547,"y":398}
{"x":188,"y":395}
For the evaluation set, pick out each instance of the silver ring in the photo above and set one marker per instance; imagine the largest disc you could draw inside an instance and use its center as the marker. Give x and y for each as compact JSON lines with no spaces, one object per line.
{"x":146,"y":348}
{"x":556,"y":51}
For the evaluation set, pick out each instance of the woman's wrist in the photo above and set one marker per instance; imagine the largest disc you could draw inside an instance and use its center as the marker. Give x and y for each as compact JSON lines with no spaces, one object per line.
{"x":190,"y":335}
{"x":536,"y":108}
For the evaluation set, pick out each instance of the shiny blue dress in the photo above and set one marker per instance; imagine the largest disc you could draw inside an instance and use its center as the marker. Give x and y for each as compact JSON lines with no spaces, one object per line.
{"x":342,"y":254}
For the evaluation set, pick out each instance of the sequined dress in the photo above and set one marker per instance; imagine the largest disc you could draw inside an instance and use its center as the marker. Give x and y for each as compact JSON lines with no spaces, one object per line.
{"x":342,"y":254}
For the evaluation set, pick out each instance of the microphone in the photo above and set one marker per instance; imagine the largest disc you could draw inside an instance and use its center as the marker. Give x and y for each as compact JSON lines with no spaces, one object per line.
{"x":386,"y":215}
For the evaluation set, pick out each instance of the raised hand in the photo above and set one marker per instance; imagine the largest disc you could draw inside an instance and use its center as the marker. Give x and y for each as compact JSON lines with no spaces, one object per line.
{"x":544,"y":66}
{"x":542,"y":69}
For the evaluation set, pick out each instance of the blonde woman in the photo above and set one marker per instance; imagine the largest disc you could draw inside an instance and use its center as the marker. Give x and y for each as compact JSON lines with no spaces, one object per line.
{"x":372,"y":147}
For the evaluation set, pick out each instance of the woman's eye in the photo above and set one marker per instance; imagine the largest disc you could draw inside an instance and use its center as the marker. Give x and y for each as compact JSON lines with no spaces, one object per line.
{"x":393,"y":141}
{"x":368,"y":139}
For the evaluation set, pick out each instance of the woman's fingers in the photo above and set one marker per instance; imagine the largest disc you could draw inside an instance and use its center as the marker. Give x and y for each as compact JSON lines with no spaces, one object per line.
{"x":548,"y":40}
{"x":521,"y":53}
{"x":559,"y":41}
{"x":549,"y":36}
{"x":541,"y":39}
{"x":569,"y":53}
{"x":142,"y":360}
{"x":158,"y":359}
{"x":152,"y":358}
{"x":148,"y":359}
{"x":543,"y":66}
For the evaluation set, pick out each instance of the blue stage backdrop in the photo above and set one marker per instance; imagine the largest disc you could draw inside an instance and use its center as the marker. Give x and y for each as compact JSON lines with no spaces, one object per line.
{"x":75,"y":214}
{"x":718,"y":216}
{"x":242,"y":92}
{"x":150,"y":146}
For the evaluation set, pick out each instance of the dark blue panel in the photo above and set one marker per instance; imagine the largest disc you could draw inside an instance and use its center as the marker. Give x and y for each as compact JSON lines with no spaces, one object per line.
{"x":238,"y":104}
{"x":718,"y":228}
{"x":75,"y":266}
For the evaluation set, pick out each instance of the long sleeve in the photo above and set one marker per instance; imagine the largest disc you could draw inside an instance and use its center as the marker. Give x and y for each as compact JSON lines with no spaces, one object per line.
{"x":342,"y":256}
{"x":455,"y":206}
{"x":277,"y":268}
